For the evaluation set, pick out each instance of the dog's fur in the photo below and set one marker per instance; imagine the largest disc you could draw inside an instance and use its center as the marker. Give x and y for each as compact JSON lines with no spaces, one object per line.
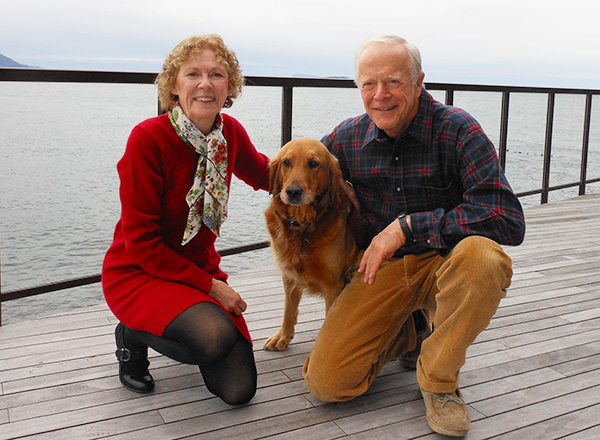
{"x":315,"y":230}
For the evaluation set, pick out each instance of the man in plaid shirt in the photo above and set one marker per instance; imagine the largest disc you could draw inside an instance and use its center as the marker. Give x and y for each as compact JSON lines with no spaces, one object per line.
{"x":428,"y":181}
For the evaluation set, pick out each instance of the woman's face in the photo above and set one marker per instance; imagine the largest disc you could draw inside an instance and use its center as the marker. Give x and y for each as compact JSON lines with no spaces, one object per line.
{"x":202,"y":85}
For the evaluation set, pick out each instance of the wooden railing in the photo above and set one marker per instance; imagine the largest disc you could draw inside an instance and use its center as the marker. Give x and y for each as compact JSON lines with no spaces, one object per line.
{"x":287,"y":86}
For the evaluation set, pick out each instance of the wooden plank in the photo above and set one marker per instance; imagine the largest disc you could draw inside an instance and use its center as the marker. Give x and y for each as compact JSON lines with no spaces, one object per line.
{"x":533,"y":414}
{"x":217,"y":423}
{"x":587,"y":434}
{"x":104,"y":428}
{"x":524,"y":352}
{"x":506,"y":367}
{"x":538,"y":393}
{"x":322,"y":431}
{"x":510,"y":384}
{"x":577,"y":421}
{"x":551,"y":333}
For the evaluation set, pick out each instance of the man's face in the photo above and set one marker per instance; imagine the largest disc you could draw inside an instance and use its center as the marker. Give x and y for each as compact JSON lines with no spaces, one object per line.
{"x":389,"y":94}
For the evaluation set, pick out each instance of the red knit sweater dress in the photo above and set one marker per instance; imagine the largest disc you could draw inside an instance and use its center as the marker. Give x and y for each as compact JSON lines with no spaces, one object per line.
{"x":148,"y":278}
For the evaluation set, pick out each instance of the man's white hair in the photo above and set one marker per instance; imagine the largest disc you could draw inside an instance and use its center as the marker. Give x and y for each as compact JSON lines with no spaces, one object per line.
{"x":413,"y":53}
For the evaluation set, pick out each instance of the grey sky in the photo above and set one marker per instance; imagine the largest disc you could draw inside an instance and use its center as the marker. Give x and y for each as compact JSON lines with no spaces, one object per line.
{"x":551,"y":43}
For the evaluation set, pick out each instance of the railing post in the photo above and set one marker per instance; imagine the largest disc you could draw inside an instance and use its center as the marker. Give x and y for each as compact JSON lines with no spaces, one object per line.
{"x":586,"y":143}
{"x":548,"y":147}
{"x":504,"y":129}
{"x":286,"y":114}
{"x":449,"y":97}
{"x":0,"y":278}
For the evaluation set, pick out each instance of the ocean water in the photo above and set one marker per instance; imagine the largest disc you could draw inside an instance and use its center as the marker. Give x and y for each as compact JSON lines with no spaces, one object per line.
{"x":59,"y":145}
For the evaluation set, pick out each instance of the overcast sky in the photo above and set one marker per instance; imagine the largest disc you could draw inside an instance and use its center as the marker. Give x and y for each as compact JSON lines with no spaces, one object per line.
{"x":509,"y":42}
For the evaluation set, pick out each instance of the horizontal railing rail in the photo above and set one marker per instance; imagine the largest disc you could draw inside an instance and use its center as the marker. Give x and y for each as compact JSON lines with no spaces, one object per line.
{"x":287,"y":84}
{"x":83,"y":281}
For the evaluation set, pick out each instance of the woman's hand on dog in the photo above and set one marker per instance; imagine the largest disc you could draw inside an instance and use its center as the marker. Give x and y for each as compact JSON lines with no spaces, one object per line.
{"x":383,"y":247}
{"x":227,"y":297}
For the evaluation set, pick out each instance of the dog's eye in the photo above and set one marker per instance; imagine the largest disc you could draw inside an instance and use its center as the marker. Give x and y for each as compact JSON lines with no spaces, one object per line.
{"x":313,"y":164}
{"x":286,"y":163}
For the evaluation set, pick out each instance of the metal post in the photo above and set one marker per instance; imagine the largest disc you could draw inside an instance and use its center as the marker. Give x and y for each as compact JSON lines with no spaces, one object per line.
{"x":286,"y":114}
{"x":0,"y":280}
{"x":504,"y":129}
{"x":586,"y":142}
{"x":449,"y":97}
{"x":548,"y":147}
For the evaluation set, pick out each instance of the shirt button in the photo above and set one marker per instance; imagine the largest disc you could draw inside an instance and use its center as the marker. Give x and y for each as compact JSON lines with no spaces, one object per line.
{"x":396,"y":158}
{"x":399,"y":189}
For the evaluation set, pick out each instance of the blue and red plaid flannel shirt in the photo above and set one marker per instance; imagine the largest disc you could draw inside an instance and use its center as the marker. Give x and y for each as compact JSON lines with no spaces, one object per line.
{"x":443,"y":171}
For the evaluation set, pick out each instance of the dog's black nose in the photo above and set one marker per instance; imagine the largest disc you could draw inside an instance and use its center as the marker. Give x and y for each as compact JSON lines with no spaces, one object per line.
{"x":294,"y":193}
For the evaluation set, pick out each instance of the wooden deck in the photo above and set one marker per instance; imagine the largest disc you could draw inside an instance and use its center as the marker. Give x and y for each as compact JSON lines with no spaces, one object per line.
{"x":533,"y":374}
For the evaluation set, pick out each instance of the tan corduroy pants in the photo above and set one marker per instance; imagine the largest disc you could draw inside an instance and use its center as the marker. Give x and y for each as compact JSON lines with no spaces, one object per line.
{"x":368,"y":325}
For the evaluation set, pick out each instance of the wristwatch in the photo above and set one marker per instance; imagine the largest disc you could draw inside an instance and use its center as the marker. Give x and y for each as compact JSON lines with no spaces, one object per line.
{"x":405,"y":228}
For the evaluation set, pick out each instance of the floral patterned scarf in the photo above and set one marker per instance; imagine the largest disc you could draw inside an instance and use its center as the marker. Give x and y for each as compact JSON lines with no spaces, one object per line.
{"x":207,"y":198}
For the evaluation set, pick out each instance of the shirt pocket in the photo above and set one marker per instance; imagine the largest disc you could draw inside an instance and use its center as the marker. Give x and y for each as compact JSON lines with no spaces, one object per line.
{"x":441,"y":193}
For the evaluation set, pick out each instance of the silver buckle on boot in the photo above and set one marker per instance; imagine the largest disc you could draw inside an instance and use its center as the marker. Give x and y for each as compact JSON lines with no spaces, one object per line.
{"x":123,"y":354}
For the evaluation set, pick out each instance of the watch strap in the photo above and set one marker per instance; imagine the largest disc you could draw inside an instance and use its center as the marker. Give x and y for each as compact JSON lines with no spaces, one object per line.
{"x":405,"y":228}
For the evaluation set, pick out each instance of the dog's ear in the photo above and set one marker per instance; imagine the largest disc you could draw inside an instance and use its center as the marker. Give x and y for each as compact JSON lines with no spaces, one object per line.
{"x":273,"y":171}
{"x":337,"y":195}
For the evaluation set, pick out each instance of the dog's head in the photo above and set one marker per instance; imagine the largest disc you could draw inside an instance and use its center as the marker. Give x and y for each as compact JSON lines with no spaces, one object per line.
{"x":304,"y":172}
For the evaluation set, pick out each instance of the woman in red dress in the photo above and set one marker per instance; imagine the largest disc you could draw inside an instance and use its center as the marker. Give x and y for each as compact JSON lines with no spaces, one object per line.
{"x":161,"y":275}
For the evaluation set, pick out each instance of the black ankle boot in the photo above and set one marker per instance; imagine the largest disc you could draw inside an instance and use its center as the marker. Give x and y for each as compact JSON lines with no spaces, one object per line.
{"x":133,"y":365}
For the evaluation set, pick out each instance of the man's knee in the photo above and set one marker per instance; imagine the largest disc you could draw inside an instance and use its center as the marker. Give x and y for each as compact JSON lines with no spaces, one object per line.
{"x":325,"y":382}
{"x":476,"y":274}
{"x":319,"y":387}
{"x":483,"y":260}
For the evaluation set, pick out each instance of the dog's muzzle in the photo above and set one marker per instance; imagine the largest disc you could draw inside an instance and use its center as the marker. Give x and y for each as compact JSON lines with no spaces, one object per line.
{"x":294,"y":194}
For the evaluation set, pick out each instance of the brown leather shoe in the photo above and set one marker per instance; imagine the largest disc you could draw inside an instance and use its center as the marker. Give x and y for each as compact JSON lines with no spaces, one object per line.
{"x":447,"y":414}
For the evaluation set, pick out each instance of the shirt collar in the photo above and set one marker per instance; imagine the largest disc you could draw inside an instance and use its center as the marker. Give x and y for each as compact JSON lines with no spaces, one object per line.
{"x":421,"y":125}
{"x":372,"y":132}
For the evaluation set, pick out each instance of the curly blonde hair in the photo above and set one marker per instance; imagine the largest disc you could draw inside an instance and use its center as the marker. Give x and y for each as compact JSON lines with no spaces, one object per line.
{"x":187,"y":50}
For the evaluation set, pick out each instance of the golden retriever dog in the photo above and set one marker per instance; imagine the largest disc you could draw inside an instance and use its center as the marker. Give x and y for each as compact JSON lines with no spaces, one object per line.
{"x":315,"y":230}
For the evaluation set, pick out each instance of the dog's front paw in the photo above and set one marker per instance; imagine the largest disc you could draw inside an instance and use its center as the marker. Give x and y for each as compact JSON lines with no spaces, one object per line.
{"x":278,"y":342}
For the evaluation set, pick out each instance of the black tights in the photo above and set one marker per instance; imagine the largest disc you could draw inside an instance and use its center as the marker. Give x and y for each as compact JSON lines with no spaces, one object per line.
{"x":204,"y":335}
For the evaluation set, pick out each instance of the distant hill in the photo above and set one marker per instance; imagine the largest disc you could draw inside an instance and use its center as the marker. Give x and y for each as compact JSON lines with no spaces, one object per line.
{"x":8,"y":62}
{"x":304,"y":75}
